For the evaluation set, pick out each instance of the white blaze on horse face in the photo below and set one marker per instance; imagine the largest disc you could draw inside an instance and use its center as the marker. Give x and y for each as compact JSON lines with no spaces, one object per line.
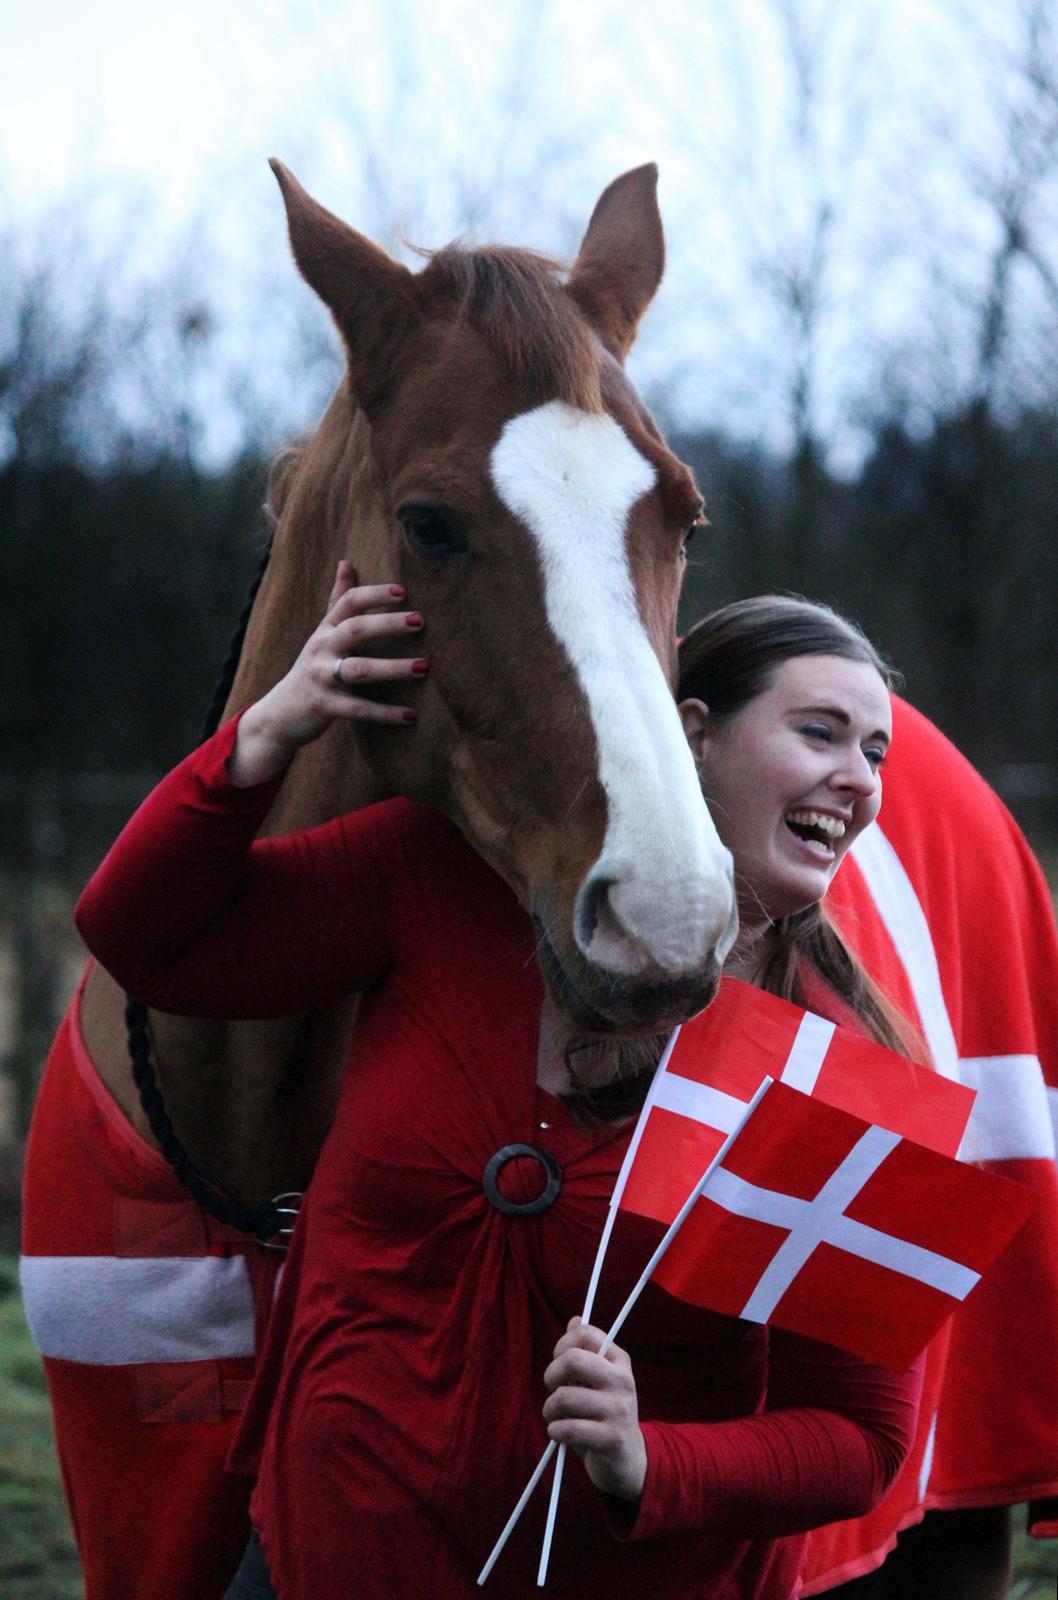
{"x":660,"y":894}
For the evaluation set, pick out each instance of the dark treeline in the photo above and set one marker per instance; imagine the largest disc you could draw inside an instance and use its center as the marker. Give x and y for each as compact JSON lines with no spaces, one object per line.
{"x":121,"y":590}
{"x":122,"y":587}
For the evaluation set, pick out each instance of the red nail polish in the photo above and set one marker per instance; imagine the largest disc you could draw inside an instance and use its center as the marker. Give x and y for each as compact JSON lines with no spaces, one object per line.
{"x":413,"y":619}
{"x":420,"y":667}
{"x":397,"y":591}
{"x":410,"y":716}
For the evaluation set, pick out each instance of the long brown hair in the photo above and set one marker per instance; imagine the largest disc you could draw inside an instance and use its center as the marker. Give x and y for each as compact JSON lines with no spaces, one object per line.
{"x":726,"y":660}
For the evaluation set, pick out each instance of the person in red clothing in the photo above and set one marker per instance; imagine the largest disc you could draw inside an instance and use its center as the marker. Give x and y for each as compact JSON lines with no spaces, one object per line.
{"x":422,"y":1347}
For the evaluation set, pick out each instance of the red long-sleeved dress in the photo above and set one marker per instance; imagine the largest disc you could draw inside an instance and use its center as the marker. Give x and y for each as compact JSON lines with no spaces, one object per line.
{"x":397,"y":1413}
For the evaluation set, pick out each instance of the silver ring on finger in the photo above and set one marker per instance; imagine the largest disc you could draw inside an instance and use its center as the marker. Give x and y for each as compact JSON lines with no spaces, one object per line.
{"x":336,"y":671}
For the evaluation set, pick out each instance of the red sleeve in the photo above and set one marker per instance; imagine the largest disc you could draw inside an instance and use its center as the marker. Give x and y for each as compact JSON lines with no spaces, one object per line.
{"x":833,"y":1438}
{"x":194,"y":917}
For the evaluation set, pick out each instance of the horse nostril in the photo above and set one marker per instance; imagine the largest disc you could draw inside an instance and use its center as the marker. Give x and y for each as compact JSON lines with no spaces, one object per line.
{"x":602,"y":932}
{"x":592,"y":903}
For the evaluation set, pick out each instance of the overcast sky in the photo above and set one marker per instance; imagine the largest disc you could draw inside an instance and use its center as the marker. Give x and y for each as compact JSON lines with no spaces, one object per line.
{"x":421,"y":118}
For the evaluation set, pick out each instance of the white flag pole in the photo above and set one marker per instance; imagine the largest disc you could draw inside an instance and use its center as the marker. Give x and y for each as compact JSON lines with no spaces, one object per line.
{"x":677,"y":1223}
{"x":516,"y":1513}
{"x":622,"y":1176}
{"x":589,"y":1301}
{"x":552,"y":1512}
{"x":596,"y":1274}
{"x":648,"y":1271}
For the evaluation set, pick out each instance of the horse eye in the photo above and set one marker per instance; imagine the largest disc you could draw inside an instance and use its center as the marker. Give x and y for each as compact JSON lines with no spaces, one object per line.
{"x":432,"y":531}
{"x":698,"y":522}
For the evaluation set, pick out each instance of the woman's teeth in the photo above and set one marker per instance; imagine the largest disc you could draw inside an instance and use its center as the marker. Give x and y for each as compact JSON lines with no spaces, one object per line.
{"x":815,"y":822}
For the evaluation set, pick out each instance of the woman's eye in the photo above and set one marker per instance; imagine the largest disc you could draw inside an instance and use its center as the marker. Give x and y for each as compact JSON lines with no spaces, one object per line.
{"x":432,"y":531}
{"x":876,"y":757}
{"x":817,"y":730}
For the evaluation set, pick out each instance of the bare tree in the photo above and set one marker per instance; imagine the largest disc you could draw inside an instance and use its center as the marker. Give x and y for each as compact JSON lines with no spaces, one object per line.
{"x":775,"y":115}
{"x":451,"y":127}
{"x":981,"y":361}
{"x":56,"y":335}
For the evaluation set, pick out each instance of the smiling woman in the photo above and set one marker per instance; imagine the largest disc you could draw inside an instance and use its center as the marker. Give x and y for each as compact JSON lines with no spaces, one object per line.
{"x":795,"y":776}
{"x":786,"y":707}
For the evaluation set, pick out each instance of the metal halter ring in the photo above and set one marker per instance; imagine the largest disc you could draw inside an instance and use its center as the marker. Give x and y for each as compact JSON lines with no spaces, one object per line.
{"x":287,"y":1206}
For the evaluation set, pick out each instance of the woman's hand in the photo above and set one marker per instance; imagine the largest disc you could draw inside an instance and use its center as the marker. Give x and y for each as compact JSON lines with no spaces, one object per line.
{"x":324,"y":680}
{"x":592,"y":1408}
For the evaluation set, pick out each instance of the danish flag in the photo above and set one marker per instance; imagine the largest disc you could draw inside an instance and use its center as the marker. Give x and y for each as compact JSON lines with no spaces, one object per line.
{"x":827,"y":1225}
{"x":715,"y":1063}
{"x":802,"y":1202}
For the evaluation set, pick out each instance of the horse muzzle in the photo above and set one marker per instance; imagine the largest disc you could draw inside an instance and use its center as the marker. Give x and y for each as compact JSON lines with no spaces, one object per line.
{"x":603,"y":1002}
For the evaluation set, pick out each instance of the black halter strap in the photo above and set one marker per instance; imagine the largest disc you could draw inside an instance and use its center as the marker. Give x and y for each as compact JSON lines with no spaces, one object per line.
{"x":272,"y":1218}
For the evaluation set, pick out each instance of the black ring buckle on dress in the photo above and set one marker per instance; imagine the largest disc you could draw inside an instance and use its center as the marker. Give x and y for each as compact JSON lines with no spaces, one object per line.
{"x":523,"y":1208}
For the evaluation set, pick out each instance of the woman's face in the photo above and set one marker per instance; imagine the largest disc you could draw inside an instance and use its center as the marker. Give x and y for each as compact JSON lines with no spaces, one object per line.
{"x":793,"y":778}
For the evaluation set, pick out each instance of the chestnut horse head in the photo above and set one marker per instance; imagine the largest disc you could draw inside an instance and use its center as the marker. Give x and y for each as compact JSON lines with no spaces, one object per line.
{"x":525,"y":498}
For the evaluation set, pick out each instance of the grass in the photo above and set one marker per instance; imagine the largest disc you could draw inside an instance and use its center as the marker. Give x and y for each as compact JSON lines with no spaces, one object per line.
{"x":37,"y":1556}
{"x":1035,"y":1565}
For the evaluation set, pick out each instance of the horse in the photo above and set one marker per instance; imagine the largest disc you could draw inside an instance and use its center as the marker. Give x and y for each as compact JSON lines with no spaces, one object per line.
{"x":489,"y":401}
{"x":487,"y":450}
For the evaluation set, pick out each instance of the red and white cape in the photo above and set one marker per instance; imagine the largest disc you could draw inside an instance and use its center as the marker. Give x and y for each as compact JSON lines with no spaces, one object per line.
{"x":948,"y":909}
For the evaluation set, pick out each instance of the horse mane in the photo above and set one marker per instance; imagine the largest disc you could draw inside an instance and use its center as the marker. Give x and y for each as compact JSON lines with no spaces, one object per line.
{"x":515,"y":299}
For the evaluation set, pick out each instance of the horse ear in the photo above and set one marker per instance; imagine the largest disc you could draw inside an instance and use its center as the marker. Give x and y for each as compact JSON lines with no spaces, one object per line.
{"x":621,"y":259}
{"x":370,"y":296}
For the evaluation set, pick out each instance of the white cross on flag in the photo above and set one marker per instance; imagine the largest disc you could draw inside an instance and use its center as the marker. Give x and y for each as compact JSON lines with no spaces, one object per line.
{"x":717,"y":1061}
{"x":826,"y":1225}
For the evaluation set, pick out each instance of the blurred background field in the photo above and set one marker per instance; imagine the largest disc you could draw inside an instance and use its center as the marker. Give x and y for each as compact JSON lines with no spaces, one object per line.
{"x":854,"y":346}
